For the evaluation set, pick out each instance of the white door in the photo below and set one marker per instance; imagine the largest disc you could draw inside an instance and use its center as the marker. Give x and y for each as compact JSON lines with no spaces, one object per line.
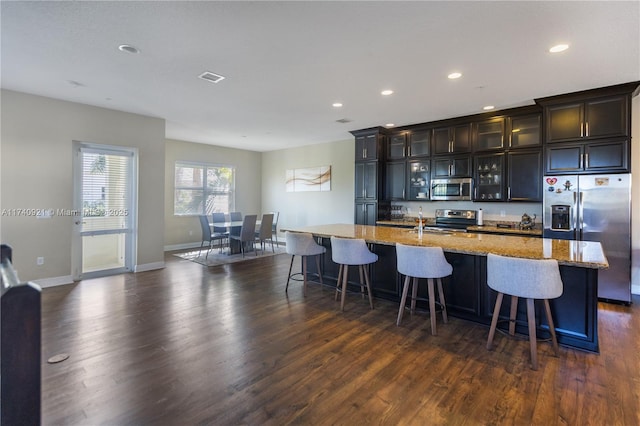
{"x":104,"y":233}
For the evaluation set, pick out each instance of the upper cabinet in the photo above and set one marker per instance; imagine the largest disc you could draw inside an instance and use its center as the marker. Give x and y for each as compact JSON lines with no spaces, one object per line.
{"x":605,"y":117}
{"x":590,"y":131}
{"x":369,"y":144}
{"x":397,"y":145}
{"x":454,"y":139}
{"x":524,"y":131}
{"x":488,"y":134}
{"x":419,"y":143}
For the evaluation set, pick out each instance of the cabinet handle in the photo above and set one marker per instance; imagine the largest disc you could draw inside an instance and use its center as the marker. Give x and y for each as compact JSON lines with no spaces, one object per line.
{"x":450,"y":146}
{"x":586,"y":161}
{"x":475,"y":193}
{"x":509,"y":193}
{"x":586,"y":129}
{"x":581,"y":129}
{"x":364,"y":152}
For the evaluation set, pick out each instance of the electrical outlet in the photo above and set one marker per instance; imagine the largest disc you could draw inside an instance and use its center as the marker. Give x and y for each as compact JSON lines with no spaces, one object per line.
{"x":503,"y":213}
{"x":40,"y":261}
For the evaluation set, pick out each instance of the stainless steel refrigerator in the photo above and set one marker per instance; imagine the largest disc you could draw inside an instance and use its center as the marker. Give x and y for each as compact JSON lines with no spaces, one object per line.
{"x":594,"y":208}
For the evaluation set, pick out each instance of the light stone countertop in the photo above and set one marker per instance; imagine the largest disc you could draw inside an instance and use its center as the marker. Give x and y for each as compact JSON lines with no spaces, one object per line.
{"x":584,"y":254}
{"x":490,"y":226}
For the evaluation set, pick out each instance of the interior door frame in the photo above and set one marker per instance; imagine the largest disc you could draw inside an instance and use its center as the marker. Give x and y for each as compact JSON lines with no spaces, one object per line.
{"x":131,"y":237}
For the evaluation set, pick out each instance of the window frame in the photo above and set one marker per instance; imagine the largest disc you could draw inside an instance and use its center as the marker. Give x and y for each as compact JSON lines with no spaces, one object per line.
{"x":204,"y":189}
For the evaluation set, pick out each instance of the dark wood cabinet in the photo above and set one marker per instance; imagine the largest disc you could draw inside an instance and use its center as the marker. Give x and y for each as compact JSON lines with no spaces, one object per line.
{"x":488,"y":134}
{"x":489,"y":177}
{"x":369,"y":176}
{"x":395,"y":180}
{"x":592,"y":119}
{"x":369,"y":144}
{"x":366,"y":183}
{"x":397,"y":146}
{"x":593,"y":157}
{"x":524,"y":131}
{"x":524,"y":175}
{"x":589,"y":131}
{"x":418,"y":179}
{"x":409,"y":144}
{"x":454,"y":139}
{"x":366,"y":213}
{"x":419,"y":143}
{"x":451,"y":166}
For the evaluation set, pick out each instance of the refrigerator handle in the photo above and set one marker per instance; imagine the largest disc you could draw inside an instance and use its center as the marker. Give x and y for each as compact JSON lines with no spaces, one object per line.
{"x":580,"y":214}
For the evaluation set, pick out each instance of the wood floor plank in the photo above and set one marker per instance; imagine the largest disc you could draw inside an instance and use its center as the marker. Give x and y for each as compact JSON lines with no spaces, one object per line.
{"x":226,"y":345}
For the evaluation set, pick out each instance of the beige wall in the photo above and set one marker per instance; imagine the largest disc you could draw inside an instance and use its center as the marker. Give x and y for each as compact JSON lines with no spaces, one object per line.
{"x":310,"y":208}
{"x":184,"y":231}
{"x":36,"y":172}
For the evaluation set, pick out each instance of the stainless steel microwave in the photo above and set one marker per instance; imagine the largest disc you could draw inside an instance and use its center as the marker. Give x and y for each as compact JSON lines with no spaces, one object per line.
{"x":451,"y":189}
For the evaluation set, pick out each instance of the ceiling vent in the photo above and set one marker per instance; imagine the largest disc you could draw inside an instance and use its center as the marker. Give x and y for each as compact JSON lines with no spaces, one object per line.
{"x":209,"y":76}
{"x":344,"y":120}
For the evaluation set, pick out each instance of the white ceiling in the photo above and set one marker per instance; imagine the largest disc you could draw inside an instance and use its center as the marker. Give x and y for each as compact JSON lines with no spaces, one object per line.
{"x":285,"y":63}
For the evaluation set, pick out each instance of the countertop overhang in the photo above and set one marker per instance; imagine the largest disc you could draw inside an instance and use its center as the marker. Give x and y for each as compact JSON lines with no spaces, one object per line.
{"x":583,"y":254}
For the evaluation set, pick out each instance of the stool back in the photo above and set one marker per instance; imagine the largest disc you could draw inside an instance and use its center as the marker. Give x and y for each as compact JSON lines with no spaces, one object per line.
{"x":302,"y":244}
{"x":528,"y":278}
{"x":422,"y":262}
{"x":349,"y":251}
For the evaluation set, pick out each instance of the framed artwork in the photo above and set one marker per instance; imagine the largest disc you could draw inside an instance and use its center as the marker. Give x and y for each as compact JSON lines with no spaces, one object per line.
{"x":309,"y":179}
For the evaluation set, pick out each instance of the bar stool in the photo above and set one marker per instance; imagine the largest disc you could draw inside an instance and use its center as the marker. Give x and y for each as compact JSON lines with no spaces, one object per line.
{"x":302,"y":244}
{"x":349,"y":251}
{"x":528,"y":278}
{"x":417,"y":262}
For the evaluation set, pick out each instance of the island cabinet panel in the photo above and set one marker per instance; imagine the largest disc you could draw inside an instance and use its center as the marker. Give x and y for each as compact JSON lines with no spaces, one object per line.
{"x":574,"y":325}
{"x":469,"y":297}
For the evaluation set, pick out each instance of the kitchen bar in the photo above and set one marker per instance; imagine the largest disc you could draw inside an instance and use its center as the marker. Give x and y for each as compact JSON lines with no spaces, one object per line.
{"x":466,"y":291}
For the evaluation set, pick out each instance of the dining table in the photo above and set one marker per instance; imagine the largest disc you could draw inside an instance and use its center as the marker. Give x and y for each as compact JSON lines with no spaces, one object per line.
{"x":233,"y":227}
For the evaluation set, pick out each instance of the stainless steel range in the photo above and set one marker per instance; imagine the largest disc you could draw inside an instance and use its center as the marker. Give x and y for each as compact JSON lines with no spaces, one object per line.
{"x":451,"y":220}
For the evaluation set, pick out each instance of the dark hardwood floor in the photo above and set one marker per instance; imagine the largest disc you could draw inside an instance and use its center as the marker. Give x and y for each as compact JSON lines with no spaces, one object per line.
{"x":225,"y":345}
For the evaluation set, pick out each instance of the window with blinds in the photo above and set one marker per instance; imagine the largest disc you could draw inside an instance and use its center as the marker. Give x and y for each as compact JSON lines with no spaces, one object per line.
{"x":203,"y":189}
{"x":105,"y":191}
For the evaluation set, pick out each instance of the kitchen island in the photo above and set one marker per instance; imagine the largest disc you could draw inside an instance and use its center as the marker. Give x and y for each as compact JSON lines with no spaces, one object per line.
{"x":466,"y":291}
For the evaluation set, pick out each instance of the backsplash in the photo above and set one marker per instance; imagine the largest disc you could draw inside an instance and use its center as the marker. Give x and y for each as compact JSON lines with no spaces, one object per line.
{"x":498,"y":212}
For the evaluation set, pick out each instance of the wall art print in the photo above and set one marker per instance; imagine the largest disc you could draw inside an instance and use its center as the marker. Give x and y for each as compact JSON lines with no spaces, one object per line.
{"x":309,"y":179}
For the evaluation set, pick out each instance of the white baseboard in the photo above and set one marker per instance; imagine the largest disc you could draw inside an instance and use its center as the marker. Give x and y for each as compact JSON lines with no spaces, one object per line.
{"x":148,"y":267}
{"x":173,"y":247}
{"x":54,"y":281}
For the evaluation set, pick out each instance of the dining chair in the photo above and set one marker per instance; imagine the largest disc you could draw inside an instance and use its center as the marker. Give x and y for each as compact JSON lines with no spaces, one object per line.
{"x":220,"y":218}
{"x":247,"y":233}
{"x":266,"y":231}
{"x":274,"y":226}
{"x":235,"y":217}
{"x":208,"y":236}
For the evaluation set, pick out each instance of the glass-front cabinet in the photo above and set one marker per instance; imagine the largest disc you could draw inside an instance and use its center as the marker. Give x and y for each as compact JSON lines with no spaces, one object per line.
{"x":524,"y":131}
{"x":489,"y":177}
{"x":488,"y":134}
{"x":418,"y":176}
{"x":419,"y":142}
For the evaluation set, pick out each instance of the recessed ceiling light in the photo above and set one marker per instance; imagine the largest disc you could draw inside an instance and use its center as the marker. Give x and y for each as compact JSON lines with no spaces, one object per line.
{"x":454,"y":75}
{"x":389,"y":125}
{"x":211,"y":77}
{"x":128,"y":48}
{"x":386,"y":92}
{"x":559,"y":48}
{"x":488,"y":107}
{"x":337,"y":105}
{"x":75,"y":83}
